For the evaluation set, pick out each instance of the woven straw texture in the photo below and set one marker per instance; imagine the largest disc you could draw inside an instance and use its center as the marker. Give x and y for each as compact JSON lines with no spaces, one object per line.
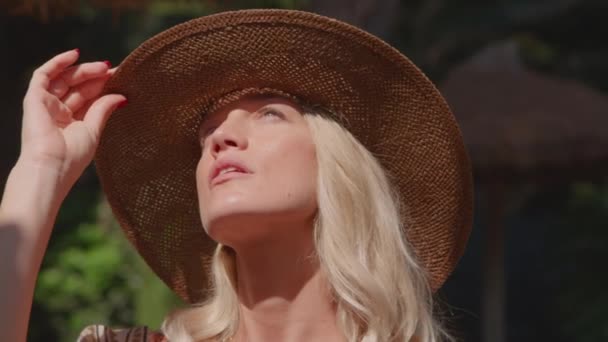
{"x":149,"y":150}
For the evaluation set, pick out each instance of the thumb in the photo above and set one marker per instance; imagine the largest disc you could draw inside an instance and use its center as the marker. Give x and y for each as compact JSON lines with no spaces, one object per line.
{"x":98,"y":114}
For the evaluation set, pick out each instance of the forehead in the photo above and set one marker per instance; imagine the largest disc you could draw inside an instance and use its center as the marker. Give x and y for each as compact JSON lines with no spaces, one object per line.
{"x":251,"y":103}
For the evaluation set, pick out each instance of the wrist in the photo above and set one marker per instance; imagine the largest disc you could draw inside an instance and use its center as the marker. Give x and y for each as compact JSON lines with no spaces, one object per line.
{"x":32,"y":186}
{"x":48,"y":164}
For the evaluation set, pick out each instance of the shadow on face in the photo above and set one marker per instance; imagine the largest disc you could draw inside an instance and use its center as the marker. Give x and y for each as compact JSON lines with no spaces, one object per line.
{"x":258,"y":170}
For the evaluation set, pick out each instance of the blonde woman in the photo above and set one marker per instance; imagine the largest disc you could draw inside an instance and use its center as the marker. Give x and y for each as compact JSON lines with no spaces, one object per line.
{"x":291,"y":176}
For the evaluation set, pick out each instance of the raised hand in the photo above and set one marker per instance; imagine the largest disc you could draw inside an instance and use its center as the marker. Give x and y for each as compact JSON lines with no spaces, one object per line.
{"x":64,"y":115}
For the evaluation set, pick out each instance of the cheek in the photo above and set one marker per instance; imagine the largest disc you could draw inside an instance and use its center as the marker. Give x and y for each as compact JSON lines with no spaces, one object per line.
{"x":201,"y":175}
{"x":293,"y":170}
{"x":201,"y":182}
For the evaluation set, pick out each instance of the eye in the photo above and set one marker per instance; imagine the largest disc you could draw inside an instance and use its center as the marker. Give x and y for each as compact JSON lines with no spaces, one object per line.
{"x":268,"y":111}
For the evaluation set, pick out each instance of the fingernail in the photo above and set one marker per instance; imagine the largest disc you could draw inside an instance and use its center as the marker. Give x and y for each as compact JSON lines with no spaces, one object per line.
{"x":108,"y":64}
{"x":122,"y":104}
{"x":77,"y":50}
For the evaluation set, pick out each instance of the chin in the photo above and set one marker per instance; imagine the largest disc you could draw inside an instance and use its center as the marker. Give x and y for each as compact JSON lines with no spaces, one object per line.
{"x":229,"y":224}
{"x":227,"y":218}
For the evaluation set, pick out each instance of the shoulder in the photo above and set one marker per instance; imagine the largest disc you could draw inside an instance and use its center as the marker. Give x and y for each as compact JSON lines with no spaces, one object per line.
{"x":102,"y":333}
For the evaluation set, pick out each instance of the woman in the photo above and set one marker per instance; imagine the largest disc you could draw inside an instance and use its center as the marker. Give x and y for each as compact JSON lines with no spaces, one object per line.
{"x":295,"y":177}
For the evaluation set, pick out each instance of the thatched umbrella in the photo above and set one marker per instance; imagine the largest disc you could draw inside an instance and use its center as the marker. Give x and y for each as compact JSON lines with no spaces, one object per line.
{"x":518,"y":123}
{"x":519,"y":127}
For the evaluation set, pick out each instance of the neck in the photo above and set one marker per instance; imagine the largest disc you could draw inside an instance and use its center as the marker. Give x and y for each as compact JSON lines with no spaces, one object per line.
{"x":282,"y":292}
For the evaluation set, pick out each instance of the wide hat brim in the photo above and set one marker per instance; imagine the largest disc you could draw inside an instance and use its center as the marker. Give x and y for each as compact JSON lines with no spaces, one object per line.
{"x":149,"y":149}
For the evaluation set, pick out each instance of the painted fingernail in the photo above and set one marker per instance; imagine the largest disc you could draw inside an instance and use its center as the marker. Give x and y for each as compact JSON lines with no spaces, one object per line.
{"x":122,"y":104}
{"x":108,"y":64}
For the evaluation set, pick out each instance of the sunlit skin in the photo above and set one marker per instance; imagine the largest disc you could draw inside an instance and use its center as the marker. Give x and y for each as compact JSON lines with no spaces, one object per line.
{"x":266,"y":216}
{"x":271,"y":138}
{"x":64,"y":113}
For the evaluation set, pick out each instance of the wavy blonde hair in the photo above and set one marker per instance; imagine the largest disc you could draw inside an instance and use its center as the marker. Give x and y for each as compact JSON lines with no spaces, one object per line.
{"x":381,"y":291}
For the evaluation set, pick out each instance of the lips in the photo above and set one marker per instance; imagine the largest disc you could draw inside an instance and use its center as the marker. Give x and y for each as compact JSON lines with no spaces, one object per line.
{"x":216,"y":176}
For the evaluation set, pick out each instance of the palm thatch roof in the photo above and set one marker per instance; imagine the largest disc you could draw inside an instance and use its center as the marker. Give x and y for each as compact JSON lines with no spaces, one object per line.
{"x":519,"y":123}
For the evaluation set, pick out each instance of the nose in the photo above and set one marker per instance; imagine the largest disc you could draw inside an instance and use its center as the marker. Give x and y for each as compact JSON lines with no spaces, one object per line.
{"x":230,"y":134}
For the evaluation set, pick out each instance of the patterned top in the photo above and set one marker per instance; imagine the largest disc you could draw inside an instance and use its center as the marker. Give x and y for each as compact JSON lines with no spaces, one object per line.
{"x":102,"y":333}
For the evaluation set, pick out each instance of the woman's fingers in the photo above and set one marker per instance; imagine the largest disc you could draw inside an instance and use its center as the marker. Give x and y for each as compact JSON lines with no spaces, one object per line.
{"x":57,"y":110}
{"x":85,"y":71}
{"x":99,"y":112}
{"x":76,"y":75}
{"x":79,"y":115}
{"x":79,"y":95}
{"x":52,"y":68}
{"x":68,"y":92}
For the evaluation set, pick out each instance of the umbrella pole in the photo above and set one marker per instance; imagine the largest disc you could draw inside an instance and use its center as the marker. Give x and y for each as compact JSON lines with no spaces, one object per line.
{"x":493,"y":289}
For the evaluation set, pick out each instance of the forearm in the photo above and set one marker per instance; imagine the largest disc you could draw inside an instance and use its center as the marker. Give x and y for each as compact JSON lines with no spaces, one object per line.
{"x":28,"y":211}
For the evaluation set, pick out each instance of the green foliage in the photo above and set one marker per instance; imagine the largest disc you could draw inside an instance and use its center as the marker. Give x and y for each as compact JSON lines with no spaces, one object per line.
{"x":563,"y":37}
{"x":536,"y":52}
{"x":581,"y":252}
{"x":85,"y":277}
{"x":91,"y":275}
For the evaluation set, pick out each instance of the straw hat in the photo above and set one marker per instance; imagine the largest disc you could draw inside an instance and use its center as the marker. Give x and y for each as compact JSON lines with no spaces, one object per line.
{"x":149,"y":149}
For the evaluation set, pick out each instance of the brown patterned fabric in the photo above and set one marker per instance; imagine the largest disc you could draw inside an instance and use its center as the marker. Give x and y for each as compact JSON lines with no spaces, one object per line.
{"x":102,"y":333}
{"x":149,"y":149}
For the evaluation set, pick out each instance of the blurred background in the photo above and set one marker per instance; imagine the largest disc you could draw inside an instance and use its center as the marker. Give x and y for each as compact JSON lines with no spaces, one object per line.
{"x":528,"y":83}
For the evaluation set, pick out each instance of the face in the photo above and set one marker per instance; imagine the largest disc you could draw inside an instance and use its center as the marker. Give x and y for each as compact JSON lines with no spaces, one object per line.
{"x":258,"y":169}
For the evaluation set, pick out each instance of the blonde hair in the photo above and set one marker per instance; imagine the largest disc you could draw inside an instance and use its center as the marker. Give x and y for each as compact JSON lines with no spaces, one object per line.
{"x":381,"y":291}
